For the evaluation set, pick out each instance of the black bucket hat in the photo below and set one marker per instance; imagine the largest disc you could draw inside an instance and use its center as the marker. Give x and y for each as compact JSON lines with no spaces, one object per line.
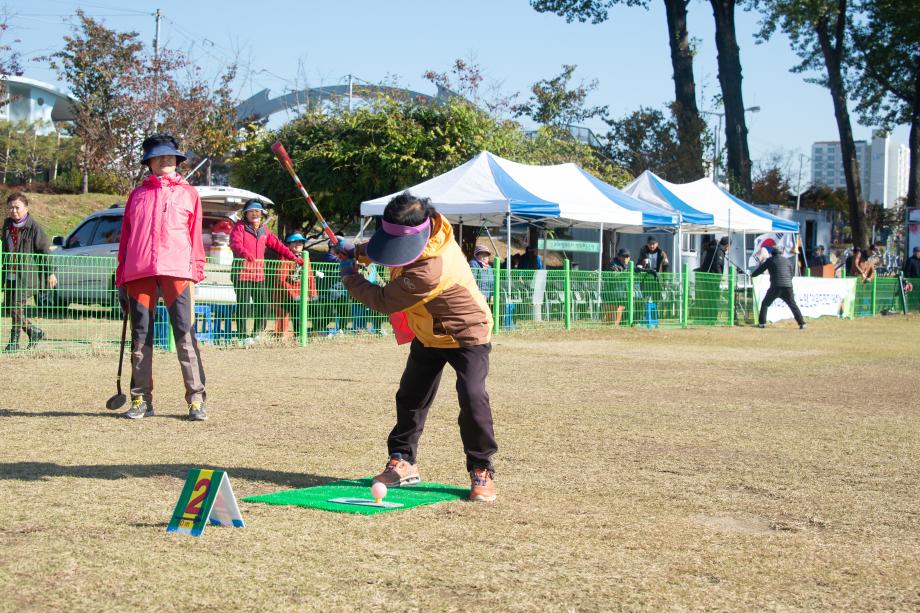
{"x":161,"y":144}
{"x":397,"y":245}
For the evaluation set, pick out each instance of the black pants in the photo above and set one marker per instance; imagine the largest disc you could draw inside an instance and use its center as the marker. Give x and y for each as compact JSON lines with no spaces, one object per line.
{"x":784,"y":294}
{"x":252,"y":303}
{"x":418,"y":388}
{"x":14,"y":299}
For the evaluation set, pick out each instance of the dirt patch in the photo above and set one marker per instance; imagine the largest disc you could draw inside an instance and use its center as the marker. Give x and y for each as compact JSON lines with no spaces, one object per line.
{"x":729,"y":523}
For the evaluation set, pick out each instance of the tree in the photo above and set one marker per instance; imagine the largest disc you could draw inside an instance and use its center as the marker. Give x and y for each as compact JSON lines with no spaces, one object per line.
{"x":729,"y":60}
{"x":218,"y":132}
{"x":690,"y":125}
{"x":9,"y":59}
{"x":835,"y":201}
{"x":887,"y":44}
{"x":347,"y":157}
{"x":818,"y":31}
{"x":465,"y":79}
{"x":123,"y":94}
{"x":770,"y":186}
{"x":553,"y":103}
{"x":647,"y":140}
{"x":99,"y":65}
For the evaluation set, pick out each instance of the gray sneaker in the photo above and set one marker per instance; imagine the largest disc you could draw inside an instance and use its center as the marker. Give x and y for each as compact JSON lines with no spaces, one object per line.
{"x":139,"y":408}
{"x":196,"y":411}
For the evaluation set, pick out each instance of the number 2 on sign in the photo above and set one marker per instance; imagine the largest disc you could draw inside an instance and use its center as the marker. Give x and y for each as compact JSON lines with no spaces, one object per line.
{"x":199,"y":493}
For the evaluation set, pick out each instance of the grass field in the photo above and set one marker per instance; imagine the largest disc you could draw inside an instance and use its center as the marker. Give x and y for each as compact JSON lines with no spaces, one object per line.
{"x":729,"y":469}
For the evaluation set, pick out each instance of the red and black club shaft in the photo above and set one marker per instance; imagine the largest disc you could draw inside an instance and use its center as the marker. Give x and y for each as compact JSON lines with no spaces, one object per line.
{"x":283,"y":157}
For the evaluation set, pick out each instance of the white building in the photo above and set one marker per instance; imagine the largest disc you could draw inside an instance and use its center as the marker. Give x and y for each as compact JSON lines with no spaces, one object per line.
{"x":35,"y":103}
{"x":882,"y":168}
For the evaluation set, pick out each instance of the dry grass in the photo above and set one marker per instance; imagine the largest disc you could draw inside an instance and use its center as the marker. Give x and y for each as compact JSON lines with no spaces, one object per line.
{"x":58,"y":214}
{"x":700,"y":469}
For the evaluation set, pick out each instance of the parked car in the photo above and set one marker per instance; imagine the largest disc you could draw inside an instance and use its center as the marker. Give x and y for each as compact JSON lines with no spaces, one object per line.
{"x":83,"y":279}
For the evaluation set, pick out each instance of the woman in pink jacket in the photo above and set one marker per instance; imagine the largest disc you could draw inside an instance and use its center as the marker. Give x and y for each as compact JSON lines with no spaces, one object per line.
{"x":248,"y":241}
{"x":161,"y":255}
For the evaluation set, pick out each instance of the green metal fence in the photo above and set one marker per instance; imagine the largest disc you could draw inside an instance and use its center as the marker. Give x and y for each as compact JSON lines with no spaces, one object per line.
{"x":82,"y":311}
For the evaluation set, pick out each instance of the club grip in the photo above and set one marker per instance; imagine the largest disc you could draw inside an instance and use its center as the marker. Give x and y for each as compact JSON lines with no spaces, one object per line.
{"x":281,"y":153}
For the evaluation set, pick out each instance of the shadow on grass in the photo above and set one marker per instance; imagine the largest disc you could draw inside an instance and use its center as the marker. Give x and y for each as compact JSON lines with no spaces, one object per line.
{"x":41,"y":471}
{"x":120,"y":413}
{"x":15,"y":413}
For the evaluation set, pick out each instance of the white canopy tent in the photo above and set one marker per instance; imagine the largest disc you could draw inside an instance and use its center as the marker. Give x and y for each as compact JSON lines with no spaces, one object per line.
{"x":489,"y":189}
{"x":494,"y":191}
{"x":704,"y":207}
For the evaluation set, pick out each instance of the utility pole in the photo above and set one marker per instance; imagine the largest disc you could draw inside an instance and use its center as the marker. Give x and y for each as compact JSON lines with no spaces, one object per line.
{"x":798,"y":190}
{"x":156,"y":67}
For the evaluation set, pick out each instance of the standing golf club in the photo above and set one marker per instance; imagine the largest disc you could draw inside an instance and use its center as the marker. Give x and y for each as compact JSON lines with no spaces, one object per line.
{"x":118,"y":400}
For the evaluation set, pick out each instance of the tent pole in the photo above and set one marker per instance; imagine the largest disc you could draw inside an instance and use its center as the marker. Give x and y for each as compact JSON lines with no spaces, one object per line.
{"x":600,"y":252}
{"x":491,"y":240}
{"x":679,"y":250}
{"x":544,"y":245}
{"x":508,"y":254}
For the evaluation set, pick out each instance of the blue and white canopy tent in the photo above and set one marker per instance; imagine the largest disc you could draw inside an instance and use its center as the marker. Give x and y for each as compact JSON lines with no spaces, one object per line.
{"x":494,"y":191}
{"x":704,"y":207}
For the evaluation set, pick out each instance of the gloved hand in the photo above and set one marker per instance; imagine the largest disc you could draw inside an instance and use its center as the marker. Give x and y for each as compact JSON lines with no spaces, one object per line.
{"x":343,"y":250}
{"x":299,"y":260}
{"x":346,"y":268}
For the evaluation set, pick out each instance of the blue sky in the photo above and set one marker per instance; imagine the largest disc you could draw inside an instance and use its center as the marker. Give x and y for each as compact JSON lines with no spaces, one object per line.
{"x":285,"y":45}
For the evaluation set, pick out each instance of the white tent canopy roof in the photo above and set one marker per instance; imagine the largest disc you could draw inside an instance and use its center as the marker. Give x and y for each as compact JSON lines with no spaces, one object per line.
{"x":705,"y":206}
{"x":488,"y":188}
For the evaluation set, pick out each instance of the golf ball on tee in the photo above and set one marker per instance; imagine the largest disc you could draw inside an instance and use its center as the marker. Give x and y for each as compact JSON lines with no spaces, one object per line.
{"x":378,"y":491}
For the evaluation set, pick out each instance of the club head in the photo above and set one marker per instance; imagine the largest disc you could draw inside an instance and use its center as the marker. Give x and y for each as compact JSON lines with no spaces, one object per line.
{"x":116,"y":402}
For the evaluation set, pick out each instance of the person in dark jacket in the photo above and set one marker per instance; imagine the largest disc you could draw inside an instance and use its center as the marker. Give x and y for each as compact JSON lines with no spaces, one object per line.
{"x":23,"y":274}
{"x":531,"y":260}
{"x":780,"y":270}
{"x":714,"y":260}
{"x":818,"y":258}
{"x":652,"y":258}
{"x":709,"y":305}
{"x":912,"y":265}
{"x":621,"y":262}
{"x":481,"y":265}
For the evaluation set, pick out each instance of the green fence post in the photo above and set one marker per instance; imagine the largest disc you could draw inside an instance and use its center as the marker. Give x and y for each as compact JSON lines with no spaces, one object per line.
{"x":900,"y":288}
{"x":685,"y":296}
{"x":304,"y":300}
{"x":170,"y":338}
{"x":568,"y":294}
{"x":496,"y":294}
{"x":2,"y":294}
{"x":874,"y":288}
{"x":808,"y":272}
{"x":731,"y":296}
{"x":630,"y":292}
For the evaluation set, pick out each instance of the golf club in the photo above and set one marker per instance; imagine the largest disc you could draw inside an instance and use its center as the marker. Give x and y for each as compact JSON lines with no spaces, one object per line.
{"x":118,"y":400}
{"x":283,"y":157}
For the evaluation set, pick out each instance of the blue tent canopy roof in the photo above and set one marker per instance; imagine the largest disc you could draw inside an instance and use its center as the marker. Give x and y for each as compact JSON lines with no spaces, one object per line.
{"x":489,"y":189}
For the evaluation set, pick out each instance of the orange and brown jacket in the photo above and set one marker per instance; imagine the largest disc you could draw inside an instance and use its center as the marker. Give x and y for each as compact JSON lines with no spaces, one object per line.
{"x":437,"y":292}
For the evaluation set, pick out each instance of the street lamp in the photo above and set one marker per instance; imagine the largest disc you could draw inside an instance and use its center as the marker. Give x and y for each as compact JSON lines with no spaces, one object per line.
{"x":717,"y":151}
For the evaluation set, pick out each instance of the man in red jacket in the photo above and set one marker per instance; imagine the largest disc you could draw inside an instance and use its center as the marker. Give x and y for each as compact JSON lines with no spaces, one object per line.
{"x":248,"y":241}
{"x":160,"y":255}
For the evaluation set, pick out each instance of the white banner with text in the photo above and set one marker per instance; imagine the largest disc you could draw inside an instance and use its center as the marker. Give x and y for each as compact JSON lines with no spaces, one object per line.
{"x":815,"y":296}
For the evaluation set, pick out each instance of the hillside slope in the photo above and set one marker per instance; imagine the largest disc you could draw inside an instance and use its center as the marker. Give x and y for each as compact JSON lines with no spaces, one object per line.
{"x":58,"y":214}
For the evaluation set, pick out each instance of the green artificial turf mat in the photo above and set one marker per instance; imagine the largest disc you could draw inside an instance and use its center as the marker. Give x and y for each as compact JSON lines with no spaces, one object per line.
{"x":318,"y":497}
